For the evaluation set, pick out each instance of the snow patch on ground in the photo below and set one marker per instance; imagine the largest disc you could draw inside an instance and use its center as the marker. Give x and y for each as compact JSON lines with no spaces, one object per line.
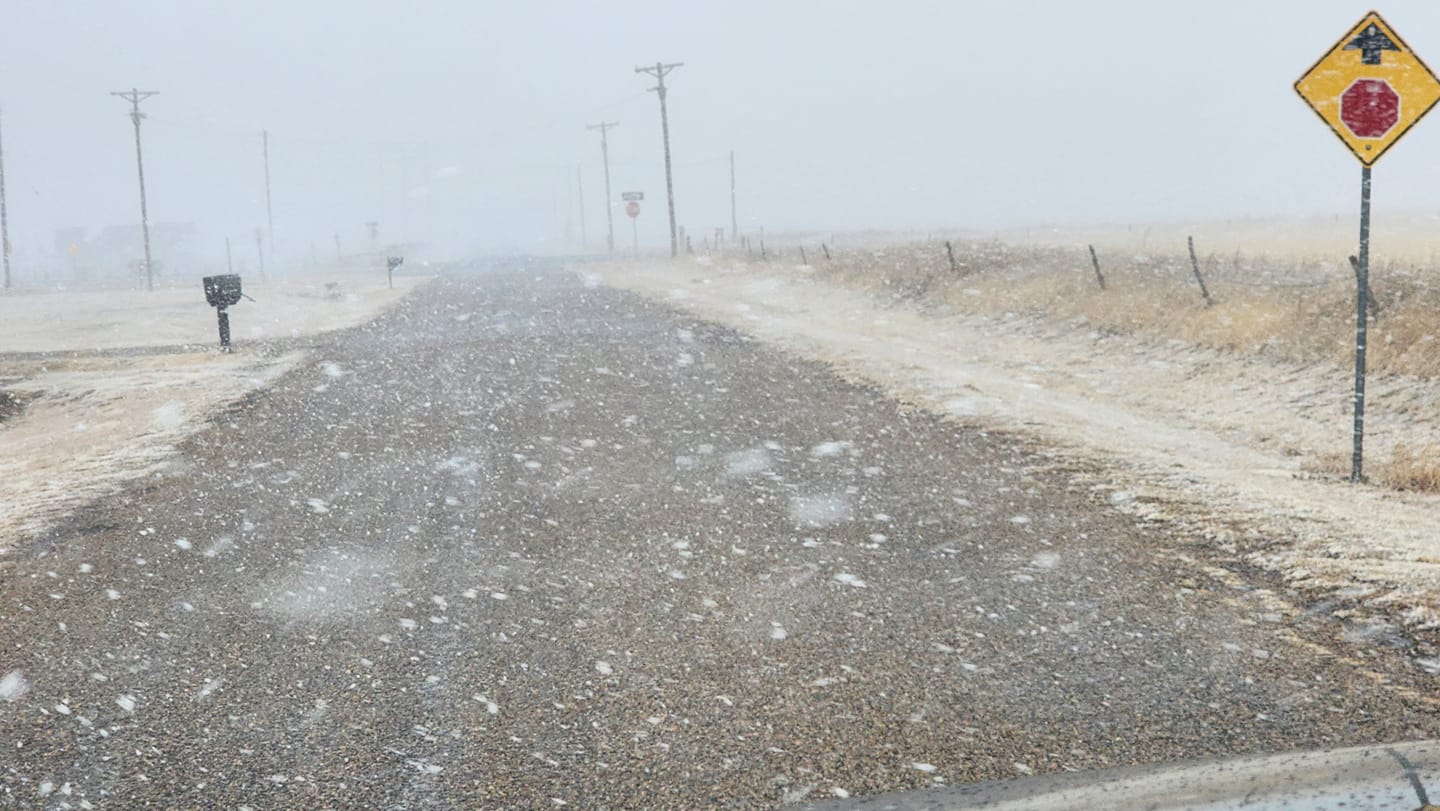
{"x":13,"y":686}
{"x":137,"y":411}
{"x":821,"y":510}
{"x":168,"y":417}
{"x":743,"y":464}
{"x":834,"y":448}
{"x":327,"y":585}
{"x":47,"y":320}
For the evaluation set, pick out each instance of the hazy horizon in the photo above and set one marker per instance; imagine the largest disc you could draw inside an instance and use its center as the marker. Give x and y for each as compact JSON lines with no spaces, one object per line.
{"x":464,"y":124}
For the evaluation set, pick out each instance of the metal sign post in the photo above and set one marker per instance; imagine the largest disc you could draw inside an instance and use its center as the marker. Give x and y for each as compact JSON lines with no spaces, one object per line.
{"x":632,"y":210}
{"x":224,"y":329}
{"x":1370,"y":89}
{"x":1362,"y":290}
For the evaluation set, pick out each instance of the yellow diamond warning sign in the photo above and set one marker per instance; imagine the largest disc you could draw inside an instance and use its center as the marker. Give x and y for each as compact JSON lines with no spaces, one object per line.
{"x":1370,"y":88}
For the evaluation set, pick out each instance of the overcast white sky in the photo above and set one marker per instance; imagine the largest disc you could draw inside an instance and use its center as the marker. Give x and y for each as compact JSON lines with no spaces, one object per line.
{"x":464,"y":121}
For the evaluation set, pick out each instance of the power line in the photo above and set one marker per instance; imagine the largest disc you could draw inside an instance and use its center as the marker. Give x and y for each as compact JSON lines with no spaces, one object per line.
{"x":135,"y":97}
{"x":605,"y":126}
{"x":659,"y":71}
{"x":466,"y":141}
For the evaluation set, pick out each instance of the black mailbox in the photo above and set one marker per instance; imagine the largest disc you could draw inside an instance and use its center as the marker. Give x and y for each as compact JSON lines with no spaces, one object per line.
{"x":393,"y":262}
{"x":223,"y":290}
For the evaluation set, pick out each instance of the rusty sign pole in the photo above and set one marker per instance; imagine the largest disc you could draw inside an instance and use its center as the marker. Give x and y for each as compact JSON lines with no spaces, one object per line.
{"x":1362,"y":288}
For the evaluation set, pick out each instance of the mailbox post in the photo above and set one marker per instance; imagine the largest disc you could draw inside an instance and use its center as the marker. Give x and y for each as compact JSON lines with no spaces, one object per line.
{"x":392,"y":262}
{"x":221,"y":292}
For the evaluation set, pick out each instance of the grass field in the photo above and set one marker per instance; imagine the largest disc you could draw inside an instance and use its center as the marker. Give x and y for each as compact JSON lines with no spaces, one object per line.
{"x":1276,"y":299}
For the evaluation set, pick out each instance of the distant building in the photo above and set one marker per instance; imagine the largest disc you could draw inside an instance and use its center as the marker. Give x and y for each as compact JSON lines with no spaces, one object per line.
{"x":117,"y":253}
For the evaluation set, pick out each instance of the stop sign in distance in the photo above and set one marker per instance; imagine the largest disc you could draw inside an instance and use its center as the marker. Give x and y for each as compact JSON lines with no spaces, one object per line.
{"x":632,"y":208}
{"x":1370,"y":108}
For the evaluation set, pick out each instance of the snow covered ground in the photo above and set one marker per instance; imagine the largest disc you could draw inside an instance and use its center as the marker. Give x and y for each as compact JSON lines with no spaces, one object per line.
{"x":92,"y":423}
{"x":1224,"y":445}
{"x":46,"y":319}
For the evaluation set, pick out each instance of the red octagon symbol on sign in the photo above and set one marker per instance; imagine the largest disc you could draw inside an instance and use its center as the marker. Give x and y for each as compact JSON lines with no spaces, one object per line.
{"x":1370,"y":108}
{"x":632,"y":208}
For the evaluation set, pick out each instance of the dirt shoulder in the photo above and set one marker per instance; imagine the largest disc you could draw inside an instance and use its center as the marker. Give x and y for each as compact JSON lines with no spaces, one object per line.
{"x":1220,"y":443}
{"x":102,"y":387}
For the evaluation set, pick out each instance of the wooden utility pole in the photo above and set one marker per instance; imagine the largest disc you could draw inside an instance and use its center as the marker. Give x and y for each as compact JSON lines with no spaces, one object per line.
{"x":604,"y":126}
{"x":269,"y":213}
{"x":580,"y":188}
{"x":734,"y":224}
{"x":659,"y":71}
{"x":260,"y":251}
{"x":135,"y":97}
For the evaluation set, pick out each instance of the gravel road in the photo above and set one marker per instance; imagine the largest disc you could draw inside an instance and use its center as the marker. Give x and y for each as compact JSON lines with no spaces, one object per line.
{"x":528,"y":543}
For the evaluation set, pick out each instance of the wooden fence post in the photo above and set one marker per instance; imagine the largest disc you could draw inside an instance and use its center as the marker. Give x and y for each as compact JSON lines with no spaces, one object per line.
{"x":1095,"y":260}
{"x":1369,"y":294}
{"x":1195,"y":266}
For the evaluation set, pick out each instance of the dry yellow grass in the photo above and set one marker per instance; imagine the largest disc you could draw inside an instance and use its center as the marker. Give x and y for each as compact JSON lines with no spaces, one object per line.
{"x":1413,"y":470}
{"x":1300,"y":310}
